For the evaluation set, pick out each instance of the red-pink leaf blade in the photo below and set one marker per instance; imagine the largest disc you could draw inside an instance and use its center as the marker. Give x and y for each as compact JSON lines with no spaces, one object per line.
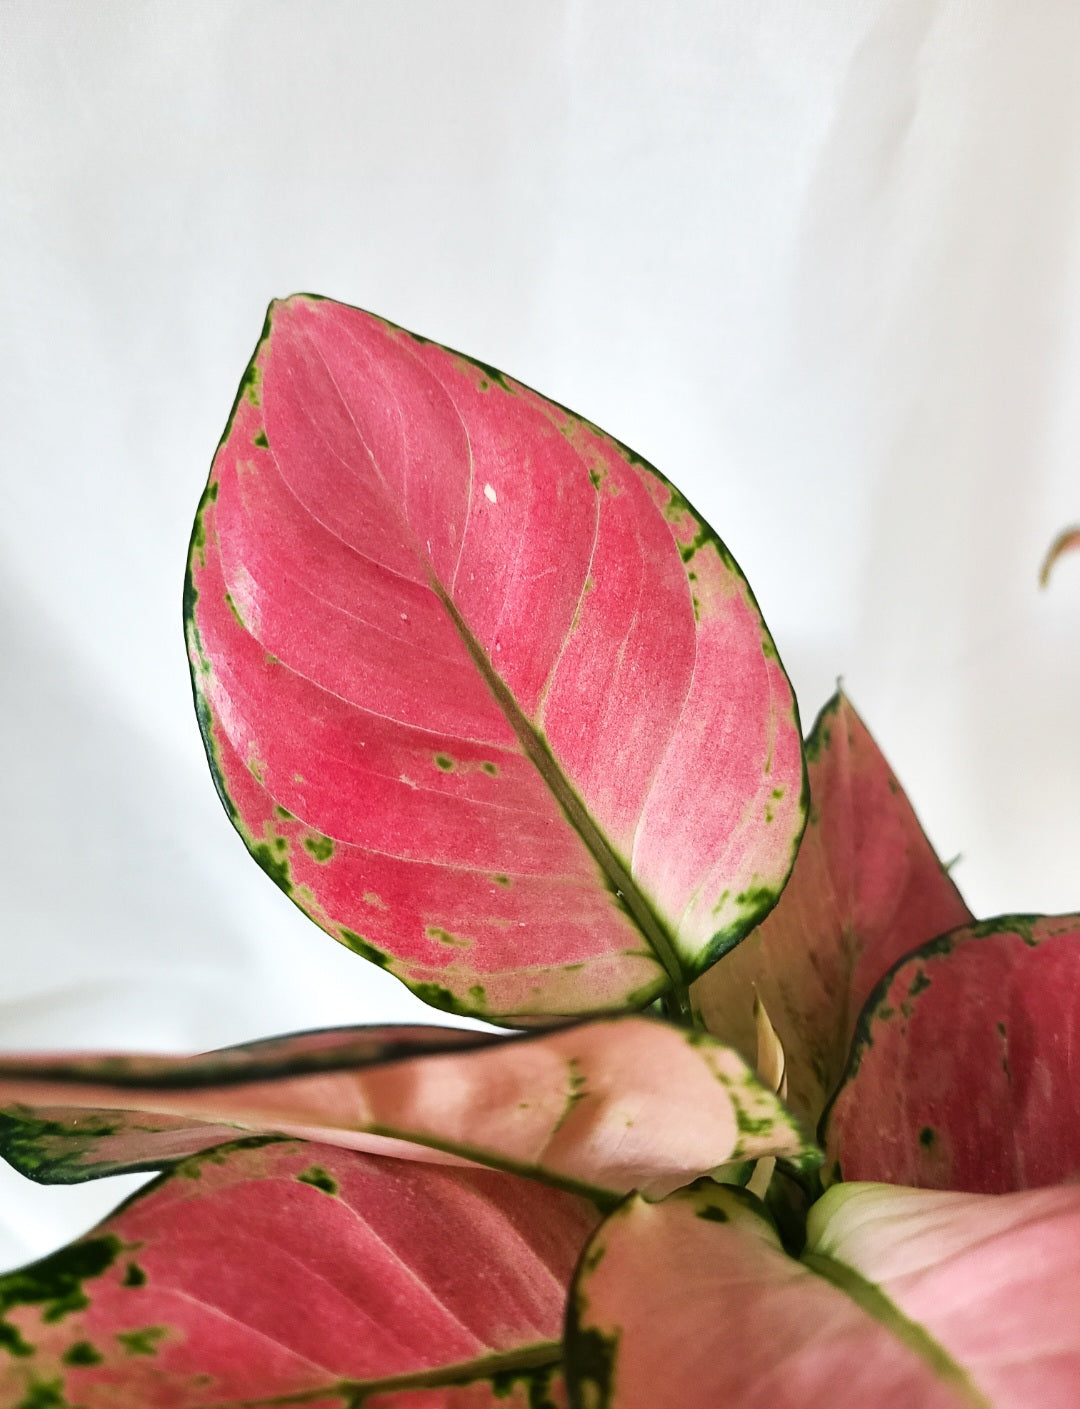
{"x":458,"y":682}
{"x":966,"y":1071}
{"x":289,"y":1269}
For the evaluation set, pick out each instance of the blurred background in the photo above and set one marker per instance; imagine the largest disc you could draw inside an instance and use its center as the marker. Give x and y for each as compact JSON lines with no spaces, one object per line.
{"x":818,"y":262}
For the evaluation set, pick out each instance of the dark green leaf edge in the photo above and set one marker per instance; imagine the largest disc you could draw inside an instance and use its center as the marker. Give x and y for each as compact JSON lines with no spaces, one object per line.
{"x":246,"y":1062}
{"x":21,"y":1130}
{"x":590,"y":1354}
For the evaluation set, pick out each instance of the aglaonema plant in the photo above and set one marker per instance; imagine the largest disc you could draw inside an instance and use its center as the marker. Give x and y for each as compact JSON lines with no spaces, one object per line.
{"x":494,"y":706}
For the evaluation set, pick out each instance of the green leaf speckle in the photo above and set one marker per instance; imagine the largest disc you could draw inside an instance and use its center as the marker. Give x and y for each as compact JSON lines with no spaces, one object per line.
{"x":320,"y":847}
{"x":456,"y":941}
{"x":81,"y":1353}
{"x":48,"y":1151}
{"x":318,"y":1178}
{"x":591,"y":1358}
{"x":44,"y":1394}
{"x":143,"y":1341}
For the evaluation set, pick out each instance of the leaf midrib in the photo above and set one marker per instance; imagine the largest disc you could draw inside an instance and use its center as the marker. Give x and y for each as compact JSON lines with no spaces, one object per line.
{"x":873,"y":1301}
{"x":532,"y":742}
{"x":539,"y":1356}
{"x":540,"y":756}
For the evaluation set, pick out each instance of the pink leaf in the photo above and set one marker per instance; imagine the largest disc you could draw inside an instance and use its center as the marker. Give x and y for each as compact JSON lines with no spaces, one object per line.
{"x":602,"y":1108}
{"x":286,"y":1269}
{"x":866,"y":888}
{"x":904,"y":1300}
{"x":480,"y":691}
{"x":994,"y":1279}
{"x":693,"y":1303}
{"x":966,"y":1070}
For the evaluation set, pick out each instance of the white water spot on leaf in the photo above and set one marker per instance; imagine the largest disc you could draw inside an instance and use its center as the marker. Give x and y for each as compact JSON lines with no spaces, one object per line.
{"x":489,"y":493}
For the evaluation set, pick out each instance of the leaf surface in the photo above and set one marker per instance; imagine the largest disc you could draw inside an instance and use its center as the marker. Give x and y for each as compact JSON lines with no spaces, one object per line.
{"x":866,"y":888}
{"x":995,"y":1279}
{"x":272,"y":1269}
{"x":904,"y":1299}
{"x":693,"y":1302}
{"x":479,"y":690}
{"x":965,"y":1073}
{"x":602,"y":1107}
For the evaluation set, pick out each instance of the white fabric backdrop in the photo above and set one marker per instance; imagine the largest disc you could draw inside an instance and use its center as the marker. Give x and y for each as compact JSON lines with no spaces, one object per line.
{"x":820,"y":262}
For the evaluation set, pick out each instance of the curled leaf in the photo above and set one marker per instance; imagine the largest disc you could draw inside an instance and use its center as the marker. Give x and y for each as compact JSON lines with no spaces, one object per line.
{"x":771,"y":1061}
{"x":603,"y":1107}
{"x":771,"y":1068}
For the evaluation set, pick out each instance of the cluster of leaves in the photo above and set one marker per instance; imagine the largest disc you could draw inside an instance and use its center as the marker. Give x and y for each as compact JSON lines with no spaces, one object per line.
{"x":493,"y":705}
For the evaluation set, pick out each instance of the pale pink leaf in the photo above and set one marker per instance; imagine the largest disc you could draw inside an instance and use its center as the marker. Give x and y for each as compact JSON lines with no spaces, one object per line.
{"x":694,"y":1303}
{"x":603,"y":1107}
{"x":994,"y":1279}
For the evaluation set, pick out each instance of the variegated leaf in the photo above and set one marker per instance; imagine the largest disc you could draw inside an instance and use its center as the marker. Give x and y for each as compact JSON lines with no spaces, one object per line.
{"x":479,"y":689}
{"x":602,"y":1108}
{"x":278,"y":1270}
{"x":866,"y":888}
{"x":965,"y":1073}
{"x":903,"y":1299}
